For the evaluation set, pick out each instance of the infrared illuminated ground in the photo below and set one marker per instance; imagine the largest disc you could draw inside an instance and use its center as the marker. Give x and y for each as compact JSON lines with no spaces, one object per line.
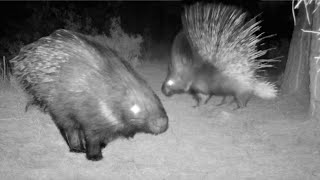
{"x":267,"y":140}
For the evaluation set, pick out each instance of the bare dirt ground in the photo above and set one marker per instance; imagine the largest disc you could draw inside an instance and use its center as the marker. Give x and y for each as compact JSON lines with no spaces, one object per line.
{"x":269,"y":140}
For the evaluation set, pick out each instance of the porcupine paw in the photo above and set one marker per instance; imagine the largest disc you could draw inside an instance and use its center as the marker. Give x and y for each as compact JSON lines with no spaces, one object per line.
{"x":223,"y":101}
{"x":95,"y":157}
{"x":130,"y":135}
{"x":196,"y":105}
{"x":197,"y":98}
{"x":78,"y":150}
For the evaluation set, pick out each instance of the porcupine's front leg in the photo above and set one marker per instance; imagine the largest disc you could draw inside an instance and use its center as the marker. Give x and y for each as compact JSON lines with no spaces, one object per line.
{"x":199,"y":96}
{"x":238,"y":102}
{"x":29,"y":103}
{"x":246,"y":97}
{"x":71,"y":132}
{"x":94,"y":144}
{"x":208,"y":98}
{"x":242,"y":100}
{"x":223,"y":101}
{"x":196,"y":97}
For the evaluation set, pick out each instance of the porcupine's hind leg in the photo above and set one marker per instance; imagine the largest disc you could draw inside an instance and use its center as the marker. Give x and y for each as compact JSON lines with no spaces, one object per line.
{"x":223,"y":101}
{"x":71,"y":132}
{"x":242,"y":99}
{"x":207,"y":100}
{"x":246,"y":97}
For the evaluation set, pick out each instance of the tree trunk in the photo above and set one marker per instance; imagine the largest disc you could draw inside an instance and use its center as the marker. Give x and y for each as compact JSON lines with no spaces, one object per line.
{"x":296,"y":78}
{"x":315,"y":67}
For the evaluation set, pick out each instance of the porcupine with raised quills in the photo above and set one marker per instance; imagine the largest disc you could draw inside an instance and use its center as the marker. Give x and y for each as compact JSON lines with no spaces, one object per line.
{"x":224,"y":55}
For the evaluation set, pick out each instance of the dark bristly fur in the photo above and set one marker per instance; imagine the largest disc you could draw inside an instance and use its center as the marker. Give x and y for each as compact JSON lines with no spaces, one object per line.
{"x":192,"y":76}
{"x":92,"y":95}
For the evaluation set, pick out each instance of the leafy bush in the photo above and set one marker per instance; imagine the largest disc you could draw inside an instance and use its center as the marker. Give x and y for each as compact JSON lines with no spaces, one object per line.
{"x":127,"y":46}
{"x":47,"y":17}
{"x":75,"y":22}
{"x":147,"y":44}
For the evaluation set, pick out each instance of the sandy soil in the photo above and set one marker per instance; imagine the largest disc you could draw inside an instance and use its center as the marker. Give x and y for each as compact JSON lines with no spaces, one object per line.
{"x":267,"y":140}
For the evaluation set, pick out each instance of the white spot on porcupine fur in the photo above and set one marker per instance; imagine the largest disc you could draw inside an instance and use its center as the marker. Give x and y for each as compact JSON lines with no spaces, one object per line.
{"x":107,"y":112}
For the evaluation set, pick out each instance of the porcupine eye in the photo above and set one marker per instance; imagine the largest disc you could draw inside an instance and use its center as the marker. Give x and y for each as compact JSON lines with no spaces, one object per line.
{"x":135,"y":109}
{"x":170,"y":82}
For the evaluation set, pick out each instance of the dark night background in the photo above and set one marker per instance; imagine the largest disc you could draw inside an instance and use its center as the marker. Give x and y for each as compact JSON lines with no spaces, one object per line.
{"x":160,"y":20}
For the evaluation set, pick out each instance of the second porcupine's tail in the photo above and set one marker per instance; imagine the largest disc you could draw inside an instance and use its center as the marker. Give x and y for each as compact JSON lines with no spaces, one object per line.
{"x":221,"y":36}
{"x":264,"y":90}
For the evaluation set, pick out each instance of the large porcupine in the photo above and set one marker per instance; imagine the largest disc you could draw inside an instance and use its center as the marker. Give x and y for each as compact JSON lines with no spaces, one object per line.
{"x":92,"y":95}
{"x":216,"y":54}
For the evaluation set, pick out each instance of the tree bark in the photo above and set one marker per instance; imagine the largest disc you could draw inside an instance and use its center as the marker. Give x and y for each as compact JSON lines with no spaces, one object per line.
{"x":296,"y":78}
{"x":315,"y":67}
